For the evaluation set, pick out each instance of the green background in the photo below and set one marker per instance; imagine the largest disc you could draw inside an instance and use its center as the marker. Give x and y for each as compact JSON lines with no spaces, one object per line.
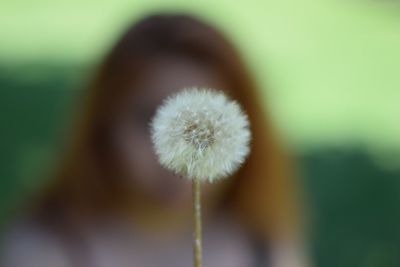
{"x":329,"y":70}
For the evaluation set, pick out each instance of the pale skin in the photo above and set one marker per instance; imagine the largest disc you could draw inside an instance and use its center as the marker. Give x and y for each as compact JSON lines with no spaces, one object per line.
{"x":157,"y":231}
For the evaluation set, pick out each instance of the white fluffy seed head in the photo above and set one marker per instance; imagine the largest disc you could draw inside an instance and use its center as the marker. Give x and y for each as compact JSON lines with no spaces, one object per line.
{"x":200,"y":133}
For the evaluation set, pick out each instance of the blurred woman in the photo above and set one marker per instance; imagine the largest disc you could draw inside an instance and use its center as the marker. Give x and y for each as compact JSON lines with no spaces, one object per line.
{"x":110,"y":202}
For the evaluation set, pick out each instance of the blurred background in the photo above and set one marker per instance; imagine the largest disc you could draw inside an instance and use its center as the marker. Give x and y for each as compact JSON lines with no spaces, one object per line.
{"x":330,"y":70}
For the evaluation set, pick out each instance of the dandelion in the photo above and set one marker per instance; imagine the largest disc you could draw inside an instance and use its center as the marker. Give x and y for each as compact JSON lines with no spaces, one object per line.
{"x":202,"y":135}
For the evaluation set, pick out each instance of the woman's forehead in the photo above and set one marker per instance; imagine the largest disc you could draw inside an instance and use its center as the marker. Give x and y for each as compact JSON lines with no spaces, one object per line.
{"x":169,"y":75}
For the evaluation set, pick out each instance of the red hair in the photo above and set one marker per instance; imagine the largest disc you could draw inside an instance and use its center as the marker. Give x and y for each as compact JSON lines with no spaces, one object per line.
{"x":262,"y":194}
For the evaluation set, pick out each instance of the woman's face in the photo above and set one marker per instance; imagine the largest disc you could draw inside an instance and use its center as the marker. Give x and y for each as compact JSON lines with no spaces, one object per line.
{"x":132,"y":140}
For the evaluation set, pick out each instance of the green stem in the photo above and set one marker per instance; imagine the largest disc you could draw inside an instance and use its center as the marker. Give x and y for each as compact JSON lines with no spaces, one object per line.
{"x":197,"y":239}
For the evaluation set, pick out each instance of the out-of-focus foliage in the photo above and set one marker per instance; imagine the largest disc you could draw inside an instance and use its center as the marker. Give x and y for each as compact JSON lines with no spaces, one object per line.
{"x":331,"y":66}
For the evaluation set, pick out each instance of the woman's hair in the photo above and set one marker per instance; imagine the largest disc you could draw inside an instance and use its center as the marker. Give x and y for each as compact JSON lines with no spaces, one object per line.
{"x":262,"y":193}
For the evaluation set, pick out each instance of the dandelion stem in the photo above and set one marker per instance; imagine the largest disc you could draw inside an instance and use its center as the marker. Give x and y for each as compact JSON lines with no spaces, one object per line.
{"x":197,"y":240}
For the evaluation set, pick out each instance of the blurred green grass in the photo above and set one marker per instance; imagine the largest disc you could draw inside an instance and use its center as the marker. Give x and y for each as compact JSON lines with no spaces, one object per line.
{"x":353,"y":202}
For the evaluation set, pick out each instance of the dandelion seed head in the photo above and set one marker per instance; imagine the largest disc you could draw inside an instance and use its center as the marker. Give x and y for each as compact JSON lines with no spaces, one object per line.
{"x":200,"y":133}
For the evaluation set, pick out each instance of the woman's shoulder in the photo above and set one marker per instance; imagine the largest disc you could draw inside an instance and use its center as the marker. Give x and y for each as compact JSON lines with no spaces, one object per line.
{"x":29,"y":243}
